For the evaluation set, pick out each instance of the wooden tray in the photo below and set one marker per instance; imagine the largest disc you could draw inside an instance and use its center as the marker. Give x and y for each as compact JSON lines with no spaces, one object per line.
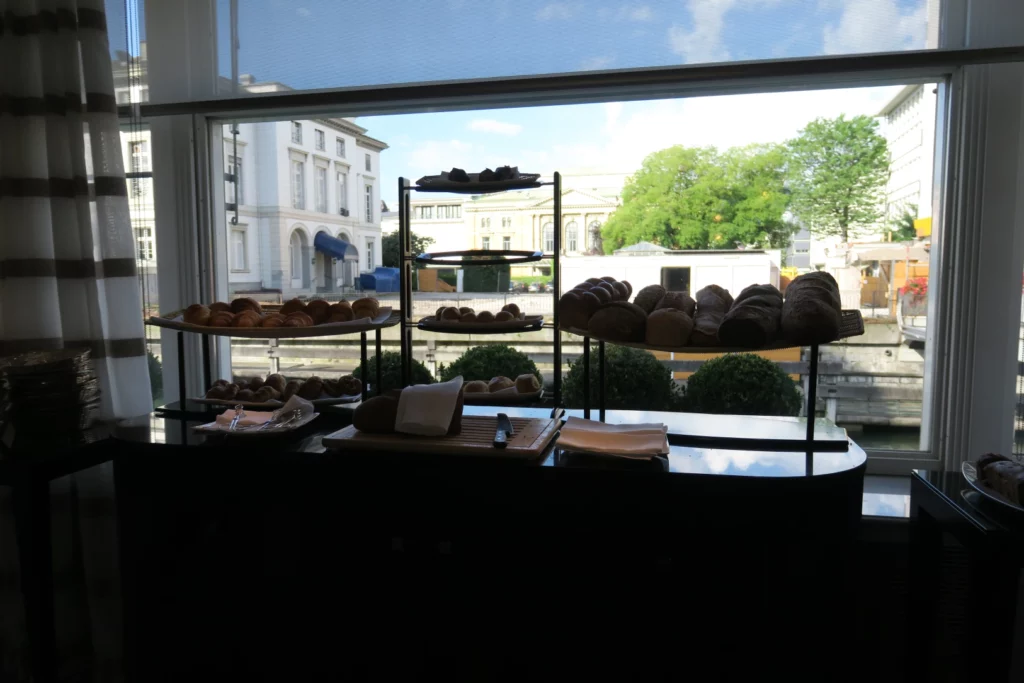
{"x":273,"y":403}
{"x":386,"y":318}
{"x":532,"y":437}
{"x":503,"y":397}
{"x":528,"y":323}
{"x":852,"y":325}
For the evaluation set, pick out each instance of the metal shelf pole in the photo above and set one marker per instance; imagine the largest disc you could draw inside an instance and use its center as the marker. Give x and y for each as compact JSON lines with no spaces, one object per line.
{"x":556,"y":285}
{"x":600,"y":381}
{"x":812,"y":399}
{"x":586,"y":378}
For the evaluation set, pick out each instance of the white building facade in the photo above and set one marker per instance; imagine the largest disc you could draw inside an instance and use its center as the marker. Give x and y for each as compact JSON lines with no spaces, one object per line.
{"x":908,"y":124}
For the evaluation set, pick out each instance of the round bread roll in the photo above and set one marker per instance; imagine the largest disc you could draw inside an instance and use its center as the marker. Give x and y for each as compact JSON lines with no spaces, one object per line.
{"x":290,"y":389}
{"x":621,"y":291}
{"x":438,"y":312}
{"x":376,"y":415}
{"x":247,"y":318}
{"x":619,"y":321}
{"x":232,"y":390}
{"x":340,"y":312}
{"x":292,"y":306}
{"x":272,"y":320}
{"x":575,"y":309}
{"x":499,"y":383}
{"x":527,"y":384}
{"x":317,"y":310}
{"x":609,"y":279}
{"x":758,"y":290}
{"x":331,"y":388}
{"x":365,"y":308}
{"x":668,"y":327}
{"x":246,"y":304}
{"x":503,"y":316}
{"x":476,"y":387}
{"x":311,"y":389}
{"x":485,"y":317}
{"x":254,"y":383}
{"x":463,"y":310}
{"x":298,"y":320}
{"x":717,"y":291}
{"x":585,"y":286}
{"x":197,"y":314}
{"x":221,"y":383}
{"x":468,"y":317}
{"x":221,"y":319}
{"x":607,"y":286}
{"x":350,"y":385}
{"x":450,"y":313}
{"x":602,"y":294}
{"x":218,"y":391}
{"x":245,"y":395}
{"x":220,"y":306}
{"x":628,"y":287}
{"x":680,"y":301}
{"x":750,"y":324}
{"x":648,"y":297}
{"x":594,"y":280}
{"x":276,"y":380}
{"x":512,"y":308}
{"x":264,"y":394}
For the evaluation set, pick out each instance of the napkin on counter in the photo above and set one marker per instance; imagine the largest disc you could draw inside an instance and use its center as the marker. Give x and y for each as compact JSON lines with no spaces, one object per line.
{"x":631,"y":441}
{"x":427,"y":409}
{"x":252,"y":418}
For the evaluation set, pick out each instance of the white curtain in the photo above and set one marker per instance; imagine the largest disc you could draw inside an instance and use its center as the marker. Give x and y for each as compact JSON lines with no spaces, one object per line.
{"x":67,"y":279}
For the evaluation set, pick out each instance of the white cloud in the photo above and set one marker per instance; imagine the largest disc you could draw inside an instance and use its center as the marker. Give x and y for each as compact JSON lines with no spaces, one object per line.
{"x":595,"y":63}
{"x":703,"y":42}
{"x":638,"y":13}
{"x":559,"y":11}
{"x":876,"y":26}
{"x":495,"y":126}
{"x":303,"y":12}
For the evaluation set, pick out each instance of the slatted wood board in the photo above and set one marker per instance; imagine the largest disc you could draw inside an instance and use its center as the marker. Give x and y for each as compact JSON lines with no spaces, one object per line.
{"x":531,"y":439}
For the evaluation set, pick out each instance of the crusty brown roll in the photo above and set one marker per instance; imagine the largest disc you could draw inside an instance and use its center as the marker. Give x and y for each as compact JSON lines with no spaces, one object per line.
{"x":277,"y":381}
{"x":576,"y":308}
{"x":311,"y":389}
{"x":318,"y":311}
{"x":594,"y":280}
{"x":246,"y":304}
{"x":668,"y":327}
{"x":292,"y":306}
{"x":720,"y":292}
{"x":648,"y":297}
{"x":584,"y":286}
{"x":221,"y":319}
{"x":607,"y":286}
{"x":272,"y":320}
{"x":197,"y":314}
{"x":812,"y":311}
{"x":477,"y":386}
{"x":247,"y":318}
{"x":629,"y":287}
{"x":340,"y":312}
{"x":220,"y":306}
{"x":463,"y":310}
{"x":713,"y":302}
{"x":513,"y":309}
{"x":365,"y":308}
{"x":290,"y":388}
{"x":609,"y":279}
{"x":331,"y":388}
{"x":603,"y":295}
{"x":219,"y":392}
{"x":758,"y":290}
{"x":254,"y":383}
{"x":247,"y":395}
{"x":468,"y":317}
{"x":485,"y":317}
{"x":499,"y":383}
{"x":298,"y":320}
{"x":438,"y":312}
{"x":680,"y":301}
{"x":264,"y":394}
{"x":750,"y":325}
{"x":621,"y":291}
{"x":503,"y":316}
{"x":527,"y":384}
{"x":350,"y":385}
{"x":619,"y":321}
{"x":450,"y":313}
{"x":376,"y":415}
{"x":232,"y":389}
{"x":221,"y":383}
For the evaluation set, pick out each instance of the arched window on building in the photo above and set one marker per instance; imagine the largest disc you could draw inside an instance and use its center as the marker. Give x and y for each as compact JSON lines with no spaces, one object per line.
{"x":572,"y":235}
{"x":549,"y":238}
{"x":594,"y":235}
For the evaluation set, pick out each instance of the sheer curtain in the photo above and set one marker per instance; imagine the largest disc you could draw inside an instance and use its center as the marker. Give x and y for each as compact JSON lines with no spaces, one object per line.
{"x":67,"y":279}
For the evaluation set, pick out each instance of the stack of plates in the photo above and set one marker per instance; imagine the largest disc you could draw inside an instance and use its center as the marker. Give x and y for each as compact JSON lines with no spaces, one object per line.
{"x":50,"y":394}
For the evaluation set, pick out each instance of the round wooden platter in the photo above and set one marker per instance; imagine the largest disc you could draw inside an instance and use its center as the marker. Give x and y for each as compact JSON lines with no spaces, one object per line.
{"x":386,"y":318}
{"x":852,"y":325}
{"x":503,"y":397}
{"x":528,"y":323}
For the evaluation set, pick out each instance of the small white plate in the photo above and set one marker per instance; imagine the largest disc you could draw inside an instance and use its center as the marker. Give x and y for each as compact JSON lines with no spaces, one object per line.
{"x":216,"y":428}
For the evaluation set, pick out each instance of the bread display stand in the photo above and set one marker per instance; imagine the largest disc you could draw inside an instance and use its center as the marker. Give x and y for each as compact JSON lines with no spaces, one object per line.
{"x":172,"y":321}
{"x":851,"y":325}
{"x":478,"y":257}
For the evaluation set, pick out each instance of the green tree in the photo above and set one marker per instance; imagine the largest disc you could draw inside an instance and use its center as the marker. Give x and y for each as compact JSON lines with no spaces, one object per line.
{"x":391,"y":249}
{"x":902,"y":228}
{"x":838,"y":170}
{"x":696,"y":198}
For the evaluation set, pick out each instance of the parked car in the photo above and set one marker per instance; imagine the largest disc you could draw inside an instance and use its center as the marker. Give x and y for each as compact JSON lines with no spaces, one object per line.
{"x":533,"y":288}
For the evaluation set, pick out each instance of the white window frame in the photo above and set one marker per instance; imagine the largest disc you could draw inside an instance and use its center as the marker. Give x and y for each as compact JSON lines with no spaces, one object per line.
{"x":368,"y":191}
{"x":369,"y":164}
{"x":371,"y":256}
{"x":341,"y":184}
{"x":485,"y":242}
{"x":572,"y":245}
{"x":139,"y":163}
{"x":237,"y":189}
{"x":506,"y":243}
{"x":297,"y":132}
{"x":298,"y":184}
{"x":548,"y":237}
{"x":243,"y":231}
{"x":339,"y":147}
{"x":320,"y":188}
{"x":319,"y":140}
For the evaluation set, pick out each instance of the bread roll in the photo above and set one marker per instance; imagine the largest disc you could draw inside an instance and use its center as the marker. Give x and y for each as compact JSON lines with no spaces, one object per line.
{"x":594,"y":280}
{"x":221,"y":319}
{"x":621,"y":291}
{"x":629,"y":288}
{"x":331,"y":388}
{"x":246,"y":304}
{"x":719,"y":292}
{"x":451,"y":313}
{"x":512,"y":308}
{"x":220,"y":306}
{"x":503,"y":316}
{"x":485,"y":317}
{"x":750,"y":325}
{"x":290,"y":388}
{"x":475,"y":387}
{"x":607,"y":286}
{"x":812,"y":311}
{"x":232,"y":390}
{"x":619,"y":321}
{"x":318,"y":311}
{"x":376,"y":415}
{"x":218,"y":392}
{"x":350,"y":385}
{"x":341,"y":315}
{"x":463,"y":310}
{"x":499,"y":383}
{"x":527,"y":384}
{"x":648,"y":297}
{"x":713,"y":303}
{"x":292,"y":306}
{"x":264,"y":394}
{"x":575,"y":309}
{"x":602,"y":294}
{"x":365,"y":308}
{"x":277,"y":381}
{"x":668,"y":327}
{"x":758,"y":290}
{"x":584,"y":286}
{"x":197,"y":314}
{"x":272,"y":320}
{"x":438,"y":312}
{"x":254,"y":383}
{"x":609,"y":279}
{"x":311,"y":389}
{"x":468,"y":317}
{"x":297,"y":320}
{"x":247,"y":318}
{"x":679,"y":301}
{"x":245,"y":395}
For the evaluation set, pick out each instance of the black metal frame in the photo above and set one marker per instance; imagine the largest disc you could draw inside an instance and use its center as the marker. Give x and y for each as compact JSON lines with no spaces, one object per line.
{"x":405,"y":190}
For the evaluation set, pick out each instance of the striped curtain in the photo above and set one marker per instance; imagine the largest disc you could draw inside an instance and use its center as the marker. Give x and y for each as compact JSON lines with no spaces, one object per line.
{"x":67,"y":254}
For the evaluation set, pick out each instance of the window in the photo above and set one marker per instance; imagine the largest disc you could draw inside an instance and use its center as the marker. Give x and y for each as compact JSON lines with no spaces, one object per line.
{"x":457,"y":211}
{"x":594,"y":232}
{"x":239,"y":250}
{"x":549,"y":238}
{"x":506,"y":222}
{"x":144,"y":243}
{"x":506,"y":243}
{"x":339,"y":147}
{"x":318,"y":136}
{"x":296,"y":132}
{"x":485,"y":222}
{"x":233,"y":189}
{"x":368,"y":168}
{"x":426,"y":212}
{"x":342,"y":181}
{"x":485,"y":242}
{"x":370,"y":258}
{"x":295,"y":256}
{"x":299,"y":184}
{"x":139,"y":150}
{"x":321,"y":189}
{"x":369,"y":203}
{"x":675,"y":279}
{"x":572,"y":237}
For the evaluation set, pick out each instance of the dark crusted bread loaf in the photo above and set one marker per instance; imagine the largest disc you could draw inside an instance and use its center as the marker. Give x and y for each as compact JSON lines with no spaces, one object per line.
{"x":680,"y":301}
{"x":648,"y":297}
{"x":376,"y":415}
{"x":1007,"y":478}
{"x":812,"y":311}
{"x":713,"y":303}
{"x":575,"y":309}
{"x":669,"y":327}
{"x":758,"y":290}
{"x":750,"y":325}
{"x":619,"y":321}
{"x":717,"y":291}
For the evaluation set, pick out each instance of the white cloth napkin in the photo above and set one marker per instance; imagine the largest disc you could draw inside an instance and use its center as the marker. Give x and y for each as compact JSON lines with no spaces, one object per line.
{"x":251,"y":418}
{"x":427,"y":409}
{"x":631,"y":441}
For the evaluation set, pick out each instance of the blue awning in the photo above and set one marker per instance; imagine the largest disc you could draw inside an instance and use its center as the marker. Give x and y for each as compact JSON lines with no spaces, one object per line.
{"x":339,"y":249}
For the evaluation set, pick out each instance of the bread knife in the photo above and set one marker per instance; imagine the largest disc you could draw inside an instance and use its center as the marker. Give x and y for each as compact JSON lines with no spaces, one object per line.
{"x":505,"y":430}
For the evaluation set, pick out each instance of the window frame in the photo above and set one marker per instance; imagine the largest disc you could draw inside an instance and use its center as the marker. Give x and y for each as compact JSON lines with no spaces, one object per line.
{"x":368,"y":208}
{"x":319,"y":140}
{"x":242,"y":230}
{"x":506,"y":243}
{"x":339,"y":147}
{"x":485,"y":242}
{"x":369,"y":163}
{"x":298,"y":184}
{"x":341,"y":187}
{"x":297,"y":132}
{"x":320,"y":189}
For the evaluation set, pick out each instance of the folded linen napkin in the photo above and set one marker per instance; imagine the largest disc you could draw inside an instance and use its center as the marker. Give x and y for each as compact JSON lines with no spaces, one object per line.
{"x":631,"y":441}
{"x":252,"y":418}
{"x":427,"y":409}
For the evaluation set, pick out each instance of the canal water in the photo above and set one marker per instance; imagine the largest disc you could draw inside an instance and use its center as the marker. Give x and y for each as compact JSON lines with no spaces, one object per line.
{"x":885,"y":438}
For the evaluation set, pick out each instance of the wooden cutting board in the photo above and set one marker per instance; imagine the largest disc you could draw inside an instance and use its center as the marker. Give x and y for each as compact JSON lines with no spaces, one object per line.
{"x":532,"y":437}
